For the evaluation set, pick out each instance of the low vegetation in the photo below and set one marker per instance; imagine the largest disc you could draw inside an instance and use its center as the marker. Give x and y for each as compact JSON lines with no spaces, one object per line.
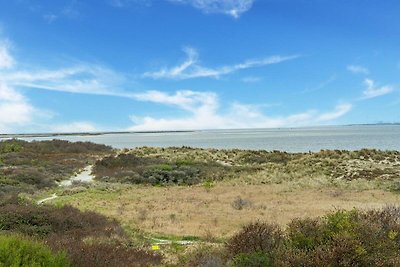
{"x":29,"y":166}
{"x":192,"y":166}
{"x":86,"y":238}
{"x":161,"y":170}
{"x":155,"y":195}
{"x":341,"y":238}
{"x":16,"y":250}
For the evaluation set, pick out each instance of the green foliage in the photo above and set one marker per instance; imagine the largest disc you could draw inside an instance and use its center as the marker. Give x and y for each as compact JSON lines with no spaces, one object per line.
{"x":255,"y":259}
{"x":340,"y":222}
{"x":204,"y":255}
{"x":341,"y":238}
{"x":88,"y":239}
{"x":10,"y":146}
{"x":256,"y":237}
{"x":186,"y":162}
{"x":17,"y":251}
{"x":130,"y":168}
{"x":163,"y":167}
{"x":304,"y":234}
{"x":208,"y":184}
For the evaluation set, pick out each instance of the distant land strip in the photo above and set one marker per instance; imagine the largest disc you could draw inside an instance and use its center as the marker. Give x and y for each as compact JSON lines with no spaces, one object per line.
{"x":85,"y":134}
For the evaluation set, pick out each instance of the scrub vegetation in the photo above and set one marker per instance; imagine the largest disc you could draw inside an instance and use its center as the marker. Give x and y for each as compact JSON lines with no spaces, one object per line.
{"x":78,"y":238}
{"x":29,"y":166}
{"x":188,"y":166}
{"x":202,"y":207}
{"x":340,"y":238}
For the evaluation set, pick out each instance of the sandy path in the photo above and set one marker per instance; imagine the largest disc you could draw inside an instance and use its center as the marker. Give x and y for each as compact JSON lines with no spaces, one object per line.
{"x":84,"y":176}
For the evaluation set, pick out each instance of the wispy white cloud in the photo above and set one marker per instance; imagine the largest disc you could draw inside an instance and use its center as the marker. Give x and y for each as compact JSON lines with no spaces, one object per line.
{"x":68,"y":10}
{"x":50,"y":18}
{"x":191,"y":68}
{"x":84,"y":78}
{"x":233,"y":8}
{"x":128,"y":3}
{"x":17,"y":114}
{"x":357,"y":69}
{"x":202,"y":108}
{"x":251,"y":79}
{"x":14,"y":108}
{"x":6,"y":60}
{"x":340,"y":110}
{"x":195,"y":102}
{"x":372,"y":91}
{"x":71,"y":10}
{"x":203,"y":113}
{"x":319,"y":86}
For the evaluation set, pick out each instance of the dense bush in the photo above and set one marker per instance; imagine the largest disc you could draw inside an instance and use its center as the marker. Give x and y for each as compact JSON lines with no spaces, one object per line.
{"x":256,"y":237}
{"x":255,"y":259}
{"x":130,"y":168}
{"x":259,"y":157}
{"x":42,"y":221}
{"x":17,"y":251}
{"x":89,"y":239}
{"x":100,"y":254}
{"x":342,"y":238}
{"x":204,"y":255}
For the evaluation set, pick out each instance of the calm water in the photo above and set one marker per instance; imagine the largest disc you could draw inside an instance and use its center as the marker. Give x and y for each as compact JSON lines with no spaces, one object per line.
{"x":385,"y":137}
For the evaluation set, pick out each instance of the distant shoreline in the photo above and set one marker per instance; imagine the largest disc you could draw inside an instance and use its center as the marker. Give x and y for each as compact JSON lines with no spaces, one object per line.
{"x":83,"y":134}
{"x":28,"y":135}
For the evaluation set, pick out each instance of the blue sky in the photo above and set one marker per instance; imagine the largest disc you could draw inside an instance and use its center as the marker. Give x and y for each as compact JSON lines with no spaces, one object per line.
{"x":116,"y":65}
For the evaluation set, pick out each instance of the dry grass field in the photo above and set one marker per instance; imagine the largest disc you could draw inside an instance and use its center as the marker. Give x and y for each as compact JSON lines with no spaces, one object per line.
{"x":221,"y":210}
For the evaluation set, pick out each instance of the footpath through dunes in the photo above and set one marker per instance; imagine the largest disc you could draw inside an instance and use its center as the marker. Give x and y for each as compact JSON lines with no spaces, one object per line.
{"x":32,"y":166}
{"x":211,"y":193}
{"x":84,"y":176}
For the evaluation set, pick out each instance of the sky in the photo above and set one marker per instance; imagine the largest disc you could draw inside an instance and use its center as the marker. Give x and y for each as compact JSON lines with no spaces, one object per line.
{"x":144,"y":65}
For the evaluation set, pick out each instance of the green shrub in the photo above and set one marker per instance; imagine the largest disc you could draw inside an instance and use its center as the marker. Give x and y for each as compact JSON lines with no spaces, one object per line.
{"x":17,"y":251}
{"x":205,"y":256}
{"x":88,"y":239}
{"x":256,"y":237}
{"x":10,"y":146}
{"x":101,"y":254}
{"x":256,"y":259}
{"x":304,"y":234}
{"x":341,"y":238}
{"x":41,"y":221}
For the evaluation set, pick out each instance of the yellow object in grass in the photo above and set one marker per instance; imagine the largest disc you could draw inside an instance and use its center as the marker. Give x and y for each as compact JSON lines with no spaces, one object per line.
{"x":155,"y":247}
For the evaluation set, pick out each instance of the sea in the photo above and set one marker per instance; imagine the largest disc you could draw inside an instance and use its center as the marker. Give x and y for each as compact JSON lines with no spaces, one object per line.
{"x":349,"y":137}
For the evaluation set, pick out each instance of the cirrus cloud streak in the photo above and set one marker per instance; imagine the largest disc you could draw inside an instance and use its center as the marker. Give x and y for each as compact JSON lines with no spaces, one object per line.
{"x":191,"y":68}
